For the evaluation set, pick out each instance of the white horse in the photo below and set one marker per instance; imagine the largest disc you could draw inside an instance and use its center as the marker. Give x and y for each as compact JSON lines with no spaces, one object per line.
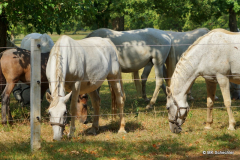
{"x":81,"y":67}
{"x":180,"y":41}
{"x":137,"y":48}
{"x":45,"y":45}
{"x":214,"y":56}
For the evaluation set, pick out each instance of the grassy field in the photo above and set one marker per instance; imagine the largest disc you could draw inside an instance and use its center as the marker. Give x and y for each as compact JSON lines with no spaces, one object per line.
{"x":148,"y":134}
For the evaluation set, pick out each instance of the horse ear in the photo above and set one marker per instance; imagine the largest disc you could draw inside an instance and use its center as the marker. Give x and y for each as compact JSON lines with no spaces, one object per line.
{"x":168,"y":90}
{"x":49,"y":97}
{"x":66,"y":98}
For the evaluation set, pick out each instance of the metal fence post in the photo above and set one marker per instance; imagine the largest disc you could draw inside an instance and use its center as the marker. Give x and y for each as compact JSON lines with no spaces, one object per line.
{"x":35,"y":95}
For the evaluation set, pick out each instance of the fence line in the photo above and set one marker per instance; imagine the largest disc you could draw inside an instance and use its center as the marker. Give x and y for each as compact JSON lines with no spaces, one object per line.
{"x":128,"y":45}
{"x":132,"y":113}
{"x":129,"y":80}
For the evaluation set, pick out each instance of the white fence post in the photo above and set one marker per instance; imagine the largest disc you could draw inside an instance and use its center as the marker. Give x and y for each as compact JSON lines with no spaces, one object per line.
{"x":35,"y":93}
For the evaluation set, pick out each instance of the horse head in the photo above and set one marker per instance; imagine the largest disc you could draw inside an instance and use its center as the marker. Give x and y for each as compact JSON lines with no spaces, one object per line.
{"x":176,"y":114}
{"x":58,"y":114}
{"x":82,"y":108}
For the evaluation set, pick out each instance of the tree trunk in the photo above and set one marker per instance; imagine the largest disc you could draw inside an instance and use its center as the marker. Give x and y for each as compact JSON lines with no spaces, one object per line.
{"x":3,"y":30}
{"x":232,"y":21}
{"x":118,"y":23}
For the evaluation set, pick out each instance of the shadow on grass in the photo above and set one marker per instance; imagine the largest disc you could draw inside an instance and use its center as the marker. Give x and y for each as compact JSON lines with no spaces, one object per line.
{"x":114,"y":126}
{"x":224,"y":141}
{"x":80,"y":149}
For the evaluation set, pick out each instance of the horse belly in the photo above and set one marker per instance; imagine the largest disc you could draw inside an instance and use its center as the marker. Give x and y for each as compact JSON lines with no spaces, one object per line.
{"x":133,"y":59}
{"x":87,"y":87}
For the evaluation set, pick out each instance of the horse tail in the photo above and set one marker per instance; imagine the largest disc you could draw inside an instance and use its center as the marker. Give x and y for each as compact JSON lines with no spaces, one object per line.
{"x":136,"y":79}
{"x":171,"y":62}
{"x":113,"y":95}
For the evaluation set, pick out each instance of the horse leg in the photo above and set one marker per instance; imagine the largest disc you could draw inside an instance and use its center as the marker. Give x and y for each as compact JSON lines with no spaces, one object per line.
{"x":159,"y":83}
{"x":95,"y":99}
{"x":137,"y":83}
{"x":146,"y":71}
{"x":119,"y":99}
{"x":73,"y":108}
{"x":6,"y":113}
{"x":224,"y":86}
{"x":211,"y":90}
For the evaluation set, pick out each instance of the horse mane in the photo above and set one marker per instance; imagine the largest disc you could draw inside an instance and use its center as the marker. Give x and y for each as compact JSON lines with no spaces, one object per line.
{"x":185,"y":66}
{"x":225,"y":31}
{"x":56,"y":52}
{"x":183,"y":57}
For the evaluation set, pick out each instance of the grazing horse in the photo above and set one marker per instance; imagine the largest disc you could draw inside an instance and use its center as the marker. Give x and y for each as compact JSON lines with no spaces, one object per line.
{"x":80,"y":67}
{"x":15,"y":66}
{"x":180,"y":41}
{"x":137,"y":48}
{"x":214,"y":56}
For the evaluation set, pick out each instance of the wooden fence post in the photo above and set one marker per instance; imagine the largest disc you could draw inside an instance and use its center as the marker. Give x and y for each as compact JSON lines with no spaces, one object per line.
{"x":35,"y":95}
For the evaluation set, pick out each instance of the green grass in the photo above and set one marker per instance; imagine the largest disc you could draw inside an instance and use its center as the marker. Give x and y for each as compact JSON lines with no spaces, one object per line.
{"x":148,"y":134}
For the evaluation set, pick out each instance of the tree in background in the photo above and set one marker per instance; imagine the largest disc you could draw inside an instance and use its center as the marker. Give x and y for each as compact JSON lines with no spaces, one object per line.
{"x":73,"y":15}
{"x":42,"y":16}
{"x":230,"y":7}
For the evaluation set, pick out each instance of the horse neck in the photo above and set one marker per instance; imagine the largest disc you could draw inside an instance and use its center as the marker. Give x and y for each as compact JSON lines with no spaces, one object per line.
{"x":184,"y":75}
{"x":57,"y":78}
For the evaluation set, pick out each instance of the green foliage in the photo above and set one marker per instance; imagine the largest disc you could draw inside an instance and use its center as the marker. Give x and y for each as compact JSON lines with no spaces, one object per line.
{"x":47,"y":15}
{"x":73,"y":15}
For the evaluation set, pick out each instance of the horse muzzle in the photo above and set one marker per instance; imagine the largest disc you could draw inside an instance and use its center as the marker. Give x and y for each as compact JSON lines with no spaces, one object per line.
{"x":174,"y":128}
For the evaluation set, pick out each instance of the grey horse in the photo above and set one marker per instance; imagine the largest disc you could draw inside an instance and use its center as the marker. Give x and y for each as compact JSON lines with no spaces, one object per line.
{"x":137,"y":48}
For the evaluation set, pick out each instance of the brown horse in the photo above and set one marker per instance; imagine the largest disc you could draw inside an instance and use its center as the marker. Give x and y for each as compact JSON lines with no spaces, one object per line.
{"x":82,"y":108}
{"x":15,"y":66}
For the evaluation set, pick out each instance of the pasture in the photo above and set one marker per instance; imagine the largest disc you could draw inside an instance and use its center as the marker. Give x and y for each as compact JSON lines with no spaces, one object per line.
{"x":148,"y":137}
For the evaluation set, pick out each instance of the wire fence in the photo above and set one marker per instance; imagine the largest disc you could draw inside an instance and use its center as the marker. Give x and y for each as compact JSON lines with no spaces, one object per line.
{"x":117,"y":114}
{"x":133,"y":107}
{"x":141,"y":44}
{"x":133,"y":79}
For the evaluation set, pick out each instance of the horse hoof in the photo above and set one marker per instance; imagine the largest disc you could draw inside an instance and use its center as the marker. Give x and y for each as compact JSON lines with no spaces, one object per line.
{"x":149,"y":106}
{"x":216,"y":98}
{"x":122,"y":131}
{"x":231,"y":128}
{"x":92,"y":131}
{"x":208,"y":128}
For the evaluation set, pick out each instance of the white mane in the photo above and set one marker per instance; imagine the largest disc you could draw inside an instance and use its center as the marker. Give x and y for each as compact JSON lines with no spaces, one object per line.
{"x":55,"y":53}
